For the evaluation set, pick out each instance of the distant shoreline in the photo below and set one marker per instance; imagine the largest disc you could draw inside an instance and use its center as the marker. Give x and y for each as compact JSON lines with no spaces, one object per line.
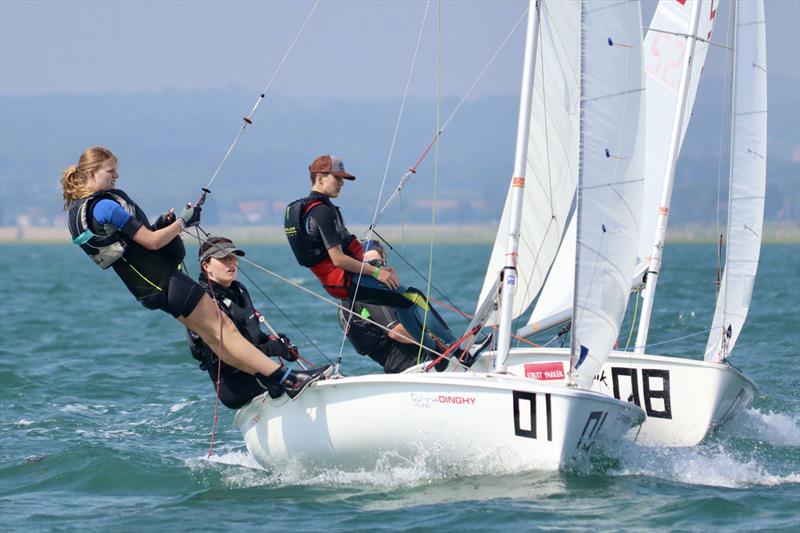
{"x":410,"y":233}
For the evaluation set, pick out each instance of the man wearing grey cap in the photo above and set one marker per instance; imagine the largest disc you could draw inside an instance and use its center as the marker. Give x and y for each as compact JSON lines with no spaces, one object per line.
{"x":218,"y":269}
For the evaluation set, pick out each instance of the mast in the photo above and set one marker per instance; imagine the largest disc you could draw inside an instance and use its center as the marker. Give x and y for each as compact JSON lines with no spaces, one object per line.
{"x":508,"y":276}
{"x":654,"y":265}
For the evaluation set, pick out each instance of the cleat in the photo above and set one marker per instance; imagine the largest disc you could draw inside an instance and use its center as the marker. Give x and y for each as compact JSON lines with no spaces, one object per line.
{"x":298,"y":380}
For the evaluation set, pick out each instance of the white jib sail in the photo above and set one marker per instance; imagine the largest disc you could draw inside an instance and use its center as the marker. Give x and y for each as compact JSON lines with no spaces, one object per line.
{"x":664,"y":48}
{"x":662,"y":52}
{"x":747,"y":179}
{"x":554,"y":305}
{"x":552,"y":168}
{"x":611,"y":179}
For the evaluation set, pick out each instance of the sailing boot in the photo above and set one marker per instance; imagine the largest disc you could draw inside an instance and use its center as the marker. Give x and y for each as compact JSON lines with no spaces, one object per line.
{"x":476,"y":350}
{"x":271,"y":383}
{"x":442,"y":364}
{"x":292,"y":382}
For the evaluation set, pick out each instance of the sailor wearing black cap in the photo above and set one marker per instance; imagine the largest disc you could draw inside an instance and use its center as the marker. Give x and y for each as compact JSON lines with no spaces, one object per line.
{"x":218,"y":258}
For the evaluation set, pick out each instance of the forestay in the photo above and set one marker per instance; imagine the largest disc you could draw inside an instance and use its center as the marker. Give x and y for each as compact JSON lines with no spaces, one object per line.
{"x":610,"y":179}
{"x":552,"y":163}
{"x":747,"y":179}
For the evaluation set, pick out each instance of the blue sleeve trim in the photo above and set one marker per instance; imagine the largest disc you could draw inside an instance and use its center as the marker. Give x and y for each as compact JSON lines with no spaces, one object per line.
{"x":110,"y":212}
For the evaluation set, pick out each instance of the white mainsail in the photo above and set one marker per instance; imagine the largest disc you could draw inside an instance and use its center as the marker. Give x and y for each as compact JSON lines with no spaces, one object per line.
{"x":747,"y":179}
{"x":664,"y":47}
{"x":552,"y":163}
{"x":611,"y":178}
{"x":661,"y":50}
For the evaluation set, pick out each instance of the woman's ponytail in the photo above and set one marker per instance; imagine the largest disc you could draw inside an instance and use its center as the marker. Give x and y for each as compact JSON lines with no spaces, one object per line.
{"x":75,"y":181}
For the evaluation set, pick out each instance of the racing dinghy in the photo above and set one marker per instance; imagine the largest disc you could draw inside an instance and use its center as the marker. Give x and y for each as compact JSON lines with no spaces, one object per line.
{"x":359,"y":422}
{"x":589,"y":55}
{"x":685,"y":399}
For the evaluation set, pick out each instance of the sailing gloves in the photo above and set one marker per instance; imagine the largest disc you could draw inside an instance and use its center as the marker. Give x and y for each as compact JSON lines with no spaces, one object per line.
{"x":164,"y":220}
{"x":282,"y":347}
{"x":190,"y":216}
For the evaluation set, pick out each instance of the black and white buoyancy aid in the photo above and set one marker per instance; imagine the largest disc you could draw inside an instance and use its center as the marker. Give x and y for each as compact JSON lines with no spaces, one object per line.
{"x":103,"y":243}
{"x":235,"y":302}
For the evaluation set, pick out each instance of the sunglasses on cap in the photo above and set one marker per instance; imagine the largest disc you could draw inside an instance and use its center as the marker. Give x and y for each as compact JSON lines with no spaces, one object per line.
{"x":369,"y":245}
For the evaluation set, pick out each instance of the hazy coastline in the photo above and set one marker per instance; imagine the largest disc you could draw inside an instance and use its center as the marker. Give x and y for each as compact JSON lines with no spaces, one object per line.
{"x":410,"y":233}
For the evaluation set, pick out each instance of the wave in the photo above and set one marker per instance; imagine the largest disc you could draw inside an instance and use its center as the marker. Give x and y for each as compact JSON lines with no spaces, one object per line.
{"x":711,"y":464}
{"x":240,"y":470}
{"x":778,"y":429}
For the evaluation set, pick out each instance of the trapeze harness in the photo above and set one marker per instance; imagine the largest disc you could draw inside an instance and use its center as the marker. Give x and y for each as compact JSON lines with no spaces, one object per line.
{"x":145,"y":272}
{"x":310,"y":252}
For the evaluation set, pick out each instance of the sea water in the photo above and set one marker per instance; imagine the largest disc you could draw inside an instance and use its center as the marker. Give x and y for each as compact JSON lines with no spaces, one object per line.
{"x":105,"y":422}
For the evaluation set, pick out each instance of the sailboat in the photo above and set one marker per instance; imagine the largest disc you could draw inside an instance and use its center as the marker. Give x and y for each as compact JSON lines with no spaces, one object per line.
{"x":685,"y":399}
{"x":464,"y":417}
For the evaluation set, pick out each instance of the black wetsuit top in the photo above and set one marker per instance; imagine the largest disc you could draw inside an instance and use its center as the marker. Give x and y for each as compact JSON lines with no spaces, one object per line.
{"x":236,"y":388}
{"x":152,"y":276}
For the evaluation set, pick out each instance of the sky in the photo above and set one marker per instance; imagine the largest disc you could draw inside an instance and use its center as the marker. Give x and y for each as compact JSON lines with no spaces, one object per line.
{"x":349,"y":49}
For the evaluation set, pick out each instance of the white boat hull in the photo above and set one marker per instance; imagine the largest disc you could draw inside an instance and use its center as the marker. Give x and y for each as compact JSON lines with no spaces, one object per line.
{"x":684,"y":399}
{"x":360,"y":422}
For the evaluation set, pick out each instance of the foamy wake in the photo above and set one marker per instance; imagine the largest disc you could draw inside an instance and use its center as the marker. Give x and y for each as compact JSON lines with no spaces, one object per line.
{"x":712,"y":465}
{"x":778,"y":429}
{"x":390,"y":472}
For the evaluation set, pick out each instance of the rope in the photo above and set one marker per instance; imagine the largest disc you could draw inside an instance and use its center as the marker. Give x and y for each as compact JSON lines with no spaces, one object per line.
{"x":383,"y":181}
{"x":673,"y":339}
{"x":318,"y":296}
{"x":633,"y":318}
{"x":435,"y":176}
{"x":410,"y":265}
{"x":247,"y":120}
{"x":201,"y":240}
{"x":281,"y":311}
{"x":440,"y":130}
{"x":219,"y":374}
{"x":452,"y":348}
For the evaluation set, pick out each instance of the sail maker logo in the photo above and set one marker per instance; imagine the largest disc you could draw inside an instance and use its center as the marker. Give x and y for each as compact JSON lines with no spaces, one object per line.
{"x":426,"y":401}
{"x":544,"y":371}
